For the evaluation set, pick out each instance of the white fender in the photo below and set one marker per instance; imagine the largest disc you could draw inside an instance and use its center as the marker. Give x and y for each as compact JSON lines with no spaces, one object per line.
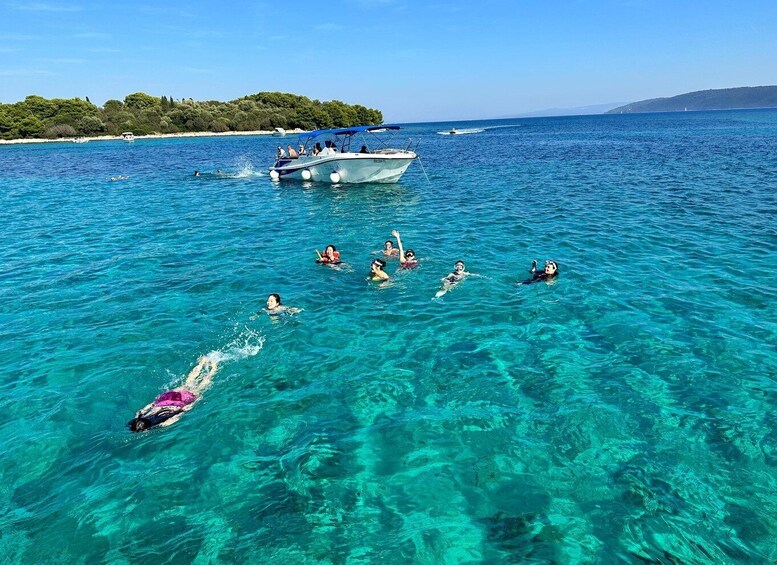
{"x":306,"y":174}
{"x":274,"y":175}
{"x":334,"y":177}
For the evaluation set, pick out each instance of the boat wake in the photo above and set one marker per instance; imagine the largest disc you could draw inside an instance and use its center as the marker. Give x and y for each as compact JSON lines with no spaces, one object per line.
{"x":454,"y":131}
{"x":462,"y":131}
{"x":505,"y":126}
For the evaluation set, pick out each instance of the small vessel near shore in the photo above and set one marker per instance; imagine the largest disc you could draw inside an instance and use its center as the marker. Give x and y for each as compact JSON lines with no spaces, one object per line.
{"x":80,"y":140}
{"x":128,"y":136}
{"x":279,"y":132}
{"x":336,"y":163}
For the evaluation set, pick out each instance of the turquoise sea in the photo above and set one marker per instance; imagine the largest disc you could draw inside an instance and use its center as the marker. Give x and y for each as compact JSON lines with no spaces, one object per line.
{"x":627,"y":412}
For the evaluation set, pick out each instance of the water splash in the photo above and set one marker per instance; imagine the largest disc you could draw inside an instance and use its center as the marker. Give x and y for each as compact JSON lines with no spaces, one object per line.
{"x":244,"y":169}
{"x":246,"y":344}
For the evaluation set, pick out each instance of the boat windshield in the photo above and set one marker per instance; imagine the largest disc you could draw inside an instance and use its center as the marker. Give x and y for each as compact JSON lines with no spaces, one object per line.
{"x":340,"y":140}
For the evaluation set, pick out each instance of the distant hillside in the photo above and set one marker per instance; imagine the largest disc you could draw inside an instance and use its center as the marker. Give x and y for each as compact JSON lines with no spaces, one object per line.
{"x":720,"y":99}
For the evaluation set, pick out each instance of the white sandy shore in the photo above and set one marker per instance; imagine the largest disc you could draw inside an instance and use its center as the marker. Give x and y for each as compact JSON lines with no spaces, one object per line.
{"x":152,"y":136}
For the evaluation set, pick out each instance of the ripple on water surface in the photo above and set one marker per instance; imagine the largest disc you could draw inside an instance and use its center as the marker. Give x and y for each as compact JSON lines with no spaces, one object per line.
{"x":624,"y":412}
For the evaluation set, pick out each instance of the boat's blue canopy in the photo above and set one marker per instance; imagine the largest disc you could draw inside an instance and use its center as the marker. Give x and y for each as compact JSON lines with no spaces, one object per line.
{"x":342,"y":131}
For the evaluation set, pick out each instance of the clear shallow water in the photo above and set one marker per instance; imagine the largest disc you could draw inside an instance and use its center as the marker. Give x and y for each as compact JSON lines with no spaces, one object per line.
{"x":625,"y":412}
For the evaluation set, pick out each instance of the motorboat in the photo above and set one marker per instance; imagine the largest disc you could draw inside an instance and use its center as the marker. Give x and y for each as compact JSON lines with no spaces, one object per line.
{"x":80,"y":140}
{"x":326,"y":156}
{"x":279,"y":132}
{"x":128,"y":136}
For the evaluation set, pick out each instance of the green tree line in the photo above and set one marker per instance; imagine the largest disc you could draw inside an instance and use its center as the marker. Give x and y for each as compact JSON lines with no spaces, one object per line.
{"x":142,"y":114}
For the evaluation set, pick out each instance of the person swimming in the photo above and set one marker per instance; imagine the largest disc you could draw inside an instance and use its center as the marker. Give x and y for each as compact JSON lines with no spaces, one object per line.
{"x":274,"y":306}
{"x":457,"y":275}
{"x":547,"y":274}
{"x":389,"y":250}
{"x":168,"y":407}
{"x":454,"y":278}
{"x":407,"y":260}
{"x":376,"y":271}
{"x":331,"y":256}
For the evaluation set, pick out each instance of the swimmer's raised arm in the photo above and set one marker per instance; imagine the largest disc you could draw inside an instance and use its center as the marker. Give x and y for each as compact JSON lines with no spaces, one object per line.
{"x":395,"y":233}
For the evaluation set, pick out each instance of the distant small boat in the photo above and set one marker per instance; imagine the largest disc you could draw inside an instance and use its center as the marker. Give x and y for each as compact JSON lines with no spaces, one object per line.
{"x":128,"y":136}
{"x":80,"y":140}
{"x":454,"y":131}
{"x":279,"y":132}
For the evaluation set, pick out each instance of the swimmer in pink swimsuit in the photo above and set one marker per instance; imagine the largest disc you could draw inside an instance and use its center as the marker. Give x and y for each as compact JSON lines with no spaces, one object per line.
{"x":168,"y":407}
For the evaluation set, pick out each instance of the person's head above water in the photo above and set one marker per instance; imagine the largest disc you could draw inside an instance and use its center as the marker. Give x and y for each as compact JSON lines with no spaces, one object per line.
{"x":139,"y":424}
{"x":379,"y":264}
{"x":551,"y":268}
{"x":389,"y":245}
{"x":410,"y":255}
{"x":273,"y":301}
{"x":458,"y":266}
{"x":330,"y":249}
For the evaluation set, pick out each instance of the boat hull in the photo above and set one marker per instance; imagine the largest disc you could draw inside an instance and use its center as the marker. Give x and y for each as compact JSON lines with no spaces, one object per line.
{"x":351,"y":168}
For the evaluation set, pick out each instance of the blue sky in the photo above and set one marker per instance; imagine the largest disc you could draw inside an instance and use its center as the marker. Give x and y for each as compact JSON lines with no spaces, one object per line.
{"x":415,"y":61}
